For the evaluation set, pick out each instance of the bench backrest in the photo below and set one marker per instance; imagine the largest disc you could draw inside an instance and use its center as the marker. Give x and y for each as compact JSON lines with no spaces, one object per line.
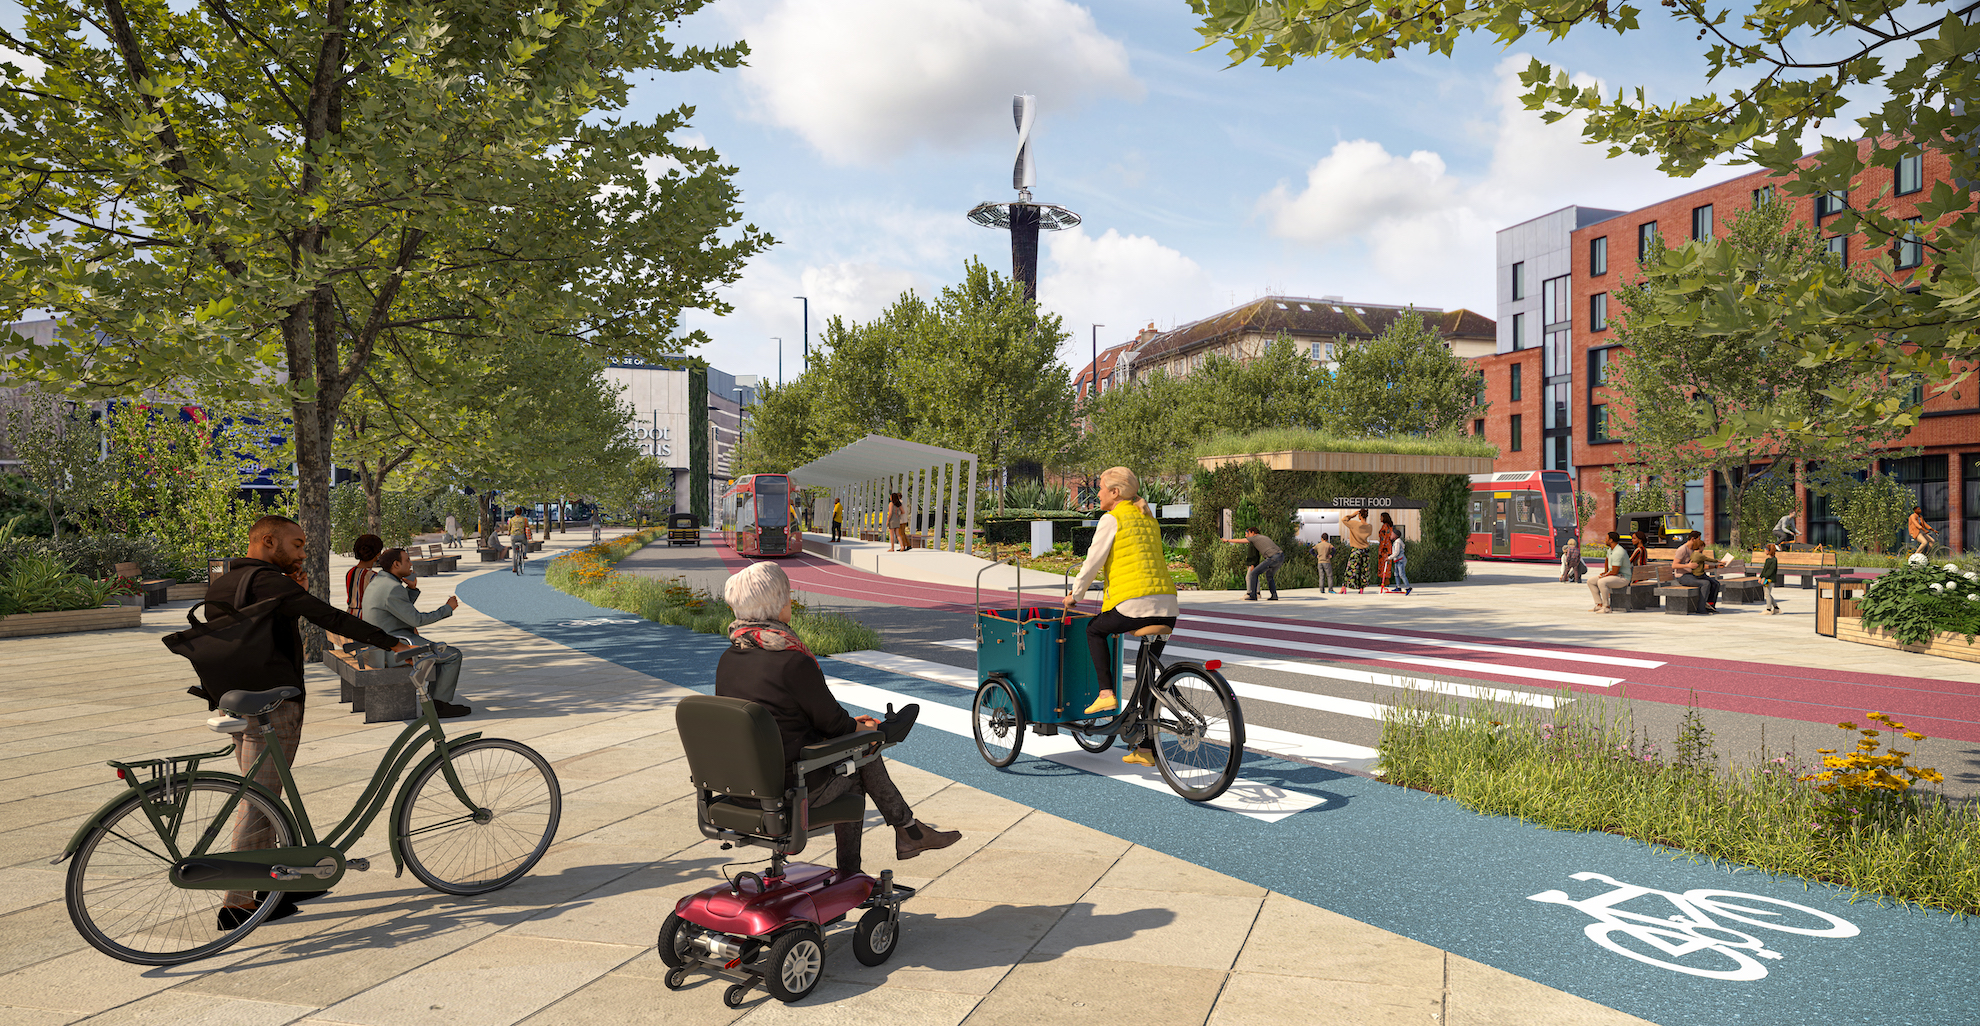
{"x":1643,"y":574}
{"x":129,"y":570}
{"x":1819,"y":559}
{"x":433,"y":550}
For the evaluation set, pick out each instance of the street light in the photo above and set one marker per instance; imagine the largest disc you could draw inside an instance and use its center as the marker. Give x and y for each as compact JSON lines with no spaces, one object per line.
{"x":807,"y":330}
{"x":780,"y":357}
{"x":1093,"y":372}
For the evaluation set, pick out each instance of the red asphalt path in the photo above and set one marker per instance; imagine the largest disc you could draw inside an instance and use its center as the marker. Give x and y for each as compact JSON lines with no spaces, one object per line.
{"x":1938,"y":708}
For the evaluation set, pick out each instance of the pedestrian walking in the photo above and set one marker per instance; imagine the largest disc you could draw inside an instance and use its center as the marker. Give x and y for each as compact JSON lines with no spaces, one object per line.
{"x":597,"y":526}
{"x":273,"y":570}
{"x":1385,"y":538}
{"x":1397,"y":558}
{"x":1615,"y":574}
{"x":1572,"y":565}
{"x":518,"y":540}
{"x":388,"y":606}
{"x":1357,"y":530}
{"x":1324,"y":553}
{"x":451,"y":532}
{"x":896,"y":524}
{"x":366,"y":549}
{"x":1770,"y":575}
{"x":1266,"y":556}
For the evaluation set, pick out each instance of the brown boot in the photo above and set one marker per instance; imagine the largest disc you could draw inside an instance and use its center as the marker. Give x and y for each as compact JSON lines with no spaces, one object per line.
{"x":916,"y":837}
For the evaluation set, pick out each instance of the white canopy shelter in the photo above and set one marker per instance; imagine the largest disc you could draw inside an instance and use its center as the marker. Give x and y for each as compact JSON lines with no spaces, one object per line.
{"x":936,"y":489}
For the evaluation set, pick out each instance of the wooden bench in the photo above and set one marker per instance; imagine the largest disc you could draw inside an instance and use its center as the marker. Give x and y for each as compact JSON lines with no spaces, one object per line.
{"x":152,"y":590}
{"x":381,"y":693}
{"x":1642,"y":590}
{"x":424,"y":564}
{"x":1809,"y":566}
{"x":448,"y":563}
{"x":495,"y":554}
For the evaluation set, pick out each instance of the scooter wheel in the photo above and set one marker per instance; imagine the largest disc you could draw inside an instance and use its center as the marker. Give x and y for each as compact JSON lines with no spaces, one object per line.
{"x":675,"y":979}
{"x":874,"y":938}
{"x":672,"y":943}
{"x":736,"y":995}
{"x":795,"y":965}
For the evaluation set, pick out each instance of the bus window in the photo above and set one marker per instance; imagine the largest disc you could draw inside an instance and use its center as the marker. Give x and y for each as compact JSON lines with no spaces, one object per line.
{"x":773,"y":501}
{"x":745,"y":512}
{"x":1560,"y":499}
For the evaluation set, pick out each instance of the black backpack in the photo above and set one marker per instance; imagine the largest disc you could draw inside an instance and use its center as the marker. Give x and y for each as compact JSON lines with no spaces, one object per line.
{"x":231,"y":647}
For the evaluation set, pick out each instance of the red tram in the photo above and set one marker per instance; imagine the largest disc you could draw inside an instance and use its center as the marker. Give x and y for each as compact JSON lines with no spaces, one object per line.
{"x":761,"y":505}
{"x":1521,"y":515}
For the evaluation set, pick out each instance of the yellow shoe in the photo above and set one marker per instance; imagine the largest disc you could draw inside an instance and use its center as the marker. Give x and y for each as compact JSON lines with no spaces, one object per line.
{"x":1139,"y":757}
{"x":1100,"y":705}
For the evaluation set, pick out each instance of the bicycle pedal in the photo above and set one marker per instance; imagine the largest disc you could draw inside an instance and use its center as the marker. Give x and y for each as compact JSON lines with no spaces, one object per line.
{"x":361,"y":865}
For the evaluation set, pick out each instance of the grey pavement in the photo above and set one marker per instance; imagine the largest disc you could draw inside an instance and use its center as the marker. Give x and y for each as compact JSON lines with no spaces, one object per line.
{"x":1032,"y":919}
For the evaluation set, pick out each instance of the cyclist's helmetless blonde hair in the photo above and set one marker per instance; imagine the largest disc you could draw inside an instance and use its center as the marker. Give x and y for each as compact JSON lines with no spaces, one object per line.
{"x":1124,"y":480}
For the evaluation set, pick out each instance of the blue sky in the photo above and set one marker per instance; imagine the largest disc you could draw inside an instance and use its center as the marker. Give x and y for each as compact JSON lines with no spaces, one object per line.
{"x":865,"y":129}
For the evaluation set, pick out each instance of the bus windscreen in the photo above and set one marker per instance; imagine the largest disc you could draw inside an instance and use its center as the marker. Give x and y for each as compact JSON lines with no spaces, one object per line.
{"x":773,"y":501}
{"x":1560,"y":503}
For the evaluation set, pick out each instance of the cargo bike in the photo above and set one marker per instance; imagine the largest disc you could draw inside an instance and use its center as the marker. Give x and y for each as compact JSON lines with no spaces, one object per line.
{"x":1035,"y":670}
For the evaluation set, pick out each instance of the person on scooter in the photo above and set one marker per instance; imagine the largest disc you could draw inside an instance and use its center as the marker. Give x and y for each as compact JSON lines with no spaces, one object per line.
{"x":767,"y":664}
{"x":1140,"y":592}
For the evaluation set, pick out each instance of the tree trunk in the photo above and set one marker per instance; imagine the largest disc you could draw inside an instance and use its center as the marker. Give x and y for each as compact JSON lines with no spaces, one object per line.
{"x":374,"y":498}
{"x":312,"y":438}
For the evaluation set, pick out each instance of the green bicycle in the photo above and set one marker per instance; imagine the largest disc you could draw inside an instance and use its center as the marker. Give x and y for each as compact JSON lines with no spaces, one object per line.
{"x":153,"y":867}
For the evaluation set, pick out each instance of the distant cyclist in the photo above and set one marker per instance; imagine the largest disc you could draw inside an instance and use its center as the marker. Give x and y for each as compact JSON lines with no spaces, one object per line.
{"x":518,"y":540}
{"x":1140,"y":592}
{"x":1921,"y":531}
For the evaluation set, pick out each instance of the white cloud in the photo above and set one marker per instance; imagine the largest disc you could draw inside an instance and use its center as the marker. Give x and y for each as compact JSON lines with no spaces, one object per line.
{"x":1426,"y":233}
{"x":32,"y":66}
{"x":866,"y":80}
{"x":1122,"y":282}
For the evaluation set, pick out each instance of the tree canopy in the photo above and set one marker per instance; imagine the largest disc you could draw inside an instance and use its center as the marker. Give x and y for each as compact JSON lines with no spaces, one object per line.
{"x":1792,"y":65}
{"x":1405,"y":381}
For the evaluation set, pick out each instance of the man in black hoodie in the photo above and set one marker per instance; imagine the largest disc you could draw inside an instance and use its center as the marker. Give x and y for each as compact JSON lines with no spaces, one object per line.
{"x":273,"y":568}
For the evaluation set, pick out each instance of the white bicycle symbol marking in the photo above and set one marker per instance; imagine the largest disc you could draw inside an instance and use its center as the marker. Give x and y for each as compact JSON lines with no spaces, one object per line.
{"x":603,"y":621}
{"x":1664,"y":942}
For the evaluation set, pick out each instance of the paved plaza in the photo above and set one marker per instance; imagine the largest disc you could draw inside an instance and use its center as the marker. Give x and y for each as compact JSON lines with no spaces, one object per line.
{"x":1032,"y":919}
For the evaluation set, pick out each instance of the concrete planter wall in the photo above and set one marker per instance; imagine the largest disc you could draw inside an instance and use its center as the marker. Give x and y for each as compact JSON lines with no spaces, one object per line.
{"x":1950,"y":646}
{"x":102,"y":618}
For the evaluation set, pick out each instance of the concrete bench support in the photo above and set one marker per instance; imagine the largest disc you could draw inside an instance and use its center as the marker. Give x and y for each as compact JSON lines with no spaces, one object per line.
{"x":1679,"y":600}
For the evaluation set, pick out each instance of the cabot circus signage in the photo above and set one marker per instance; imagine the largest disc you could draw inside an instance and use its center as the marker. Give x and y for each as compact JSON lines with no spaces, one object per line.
{"x":654,"y":442}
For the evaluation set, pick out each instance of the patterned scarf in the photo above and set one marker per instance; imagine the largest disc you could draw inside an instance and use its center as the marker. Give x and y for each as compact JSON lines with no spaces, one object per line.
{"x":768,"y":635}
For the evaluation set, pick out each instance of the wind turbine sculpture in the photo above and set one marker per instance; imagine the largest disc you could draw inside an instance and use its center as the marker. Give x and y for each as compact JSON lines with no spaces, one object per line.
{"x":1024,"y":218}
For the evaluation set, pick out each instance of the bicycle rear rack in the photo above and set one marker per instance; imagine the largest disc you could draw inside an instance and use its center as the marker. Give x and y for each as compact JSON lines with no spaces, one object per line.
{"x":167,"y":769}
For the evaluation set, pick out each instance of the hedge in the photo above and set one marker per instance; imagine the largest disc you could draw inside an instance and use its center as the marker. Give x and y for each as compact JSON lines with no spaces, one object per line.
{"x":1437,"y":556}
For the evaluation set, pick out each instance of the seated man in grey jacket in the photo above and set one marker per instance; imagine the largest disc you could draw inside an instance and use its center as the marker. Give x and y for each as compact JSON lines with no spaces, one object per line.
{"x":388,"y":605}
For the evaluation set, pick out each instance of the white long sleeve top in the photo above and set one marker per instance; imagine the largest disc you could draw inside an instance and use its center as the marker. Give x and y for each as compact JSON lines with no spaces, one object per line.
{"x":1096,"y":557}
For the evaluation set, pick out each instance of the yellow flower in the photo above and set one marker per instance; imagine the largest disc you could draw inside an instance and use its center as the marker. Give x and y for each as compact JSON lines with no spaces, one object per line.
{"x":1876,"y":716}
{"x":1914,"y":735}
{"x":1869,"y":733}
{"x":1847,"y":726}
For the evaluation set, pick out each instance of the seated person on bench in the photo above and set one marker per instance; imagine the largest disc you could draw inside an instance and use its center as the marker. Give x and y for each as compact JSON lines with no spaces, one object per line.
{"x":1691,"y":564}
{"x":765,"y":663}
{"x":388,"y":605}
{"x":1140,"y":592}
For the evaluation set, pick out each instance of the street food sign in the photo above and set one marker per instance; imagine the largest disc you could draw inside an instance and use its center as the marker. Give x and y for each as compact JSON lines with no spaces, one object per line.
{"x":1364,"y":502}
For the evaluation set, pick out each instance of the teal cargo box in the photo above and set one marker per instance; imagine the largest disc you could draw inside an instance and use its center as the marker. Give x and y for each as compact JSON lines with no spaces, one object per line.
{"x":1042,"y":652}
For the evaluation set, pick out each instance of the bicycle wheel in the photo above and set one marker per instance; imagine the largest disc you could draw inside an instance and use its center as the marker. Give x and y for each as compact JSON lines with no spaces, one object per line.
{"x":461,"y":851}
{"x":1092,"y":740}
{"x":121,"y":900}
{"x":1198,"y":731}
{"x":1738,"y":907}
{"x":1668,"y":945}
{"x":997,"y":720}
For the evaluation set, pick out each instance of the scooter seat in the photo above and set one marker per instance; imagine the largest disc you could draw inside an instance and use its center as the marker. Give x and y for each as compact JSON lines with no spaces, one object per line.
{"x":745,"y":815}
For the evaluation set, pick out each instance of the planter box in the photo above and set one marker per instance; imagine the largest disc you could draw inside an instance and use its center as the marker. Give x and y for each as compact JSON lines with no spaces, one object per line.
{"x":1850,"y":628}
{"x":186,"y":592}
{"x":102,"y":618}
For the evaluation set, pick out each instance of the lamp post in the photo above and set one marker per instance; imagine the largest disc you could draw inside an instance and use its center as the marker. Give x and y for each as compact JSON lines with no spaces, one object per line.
{"x":1093,"y":372}
{"x":780,"y":354}
{"x":807,"y":330}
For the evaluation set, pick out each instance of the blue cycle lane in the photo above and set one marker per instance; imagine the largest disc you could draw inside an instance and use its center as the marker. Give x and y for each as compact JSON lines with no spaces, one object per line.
{"x":1743,"y":948}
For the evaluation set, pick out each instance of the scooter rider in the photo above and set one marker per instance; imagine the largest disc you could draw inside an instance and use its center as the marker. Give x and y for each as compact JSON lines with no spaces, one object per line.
{"x":1140,"y":592}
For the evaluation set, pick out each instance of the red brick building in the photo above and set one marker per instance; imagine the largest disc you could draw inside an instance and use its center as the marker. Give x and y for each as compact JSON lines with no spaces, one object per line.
{"x":1546,"y":382}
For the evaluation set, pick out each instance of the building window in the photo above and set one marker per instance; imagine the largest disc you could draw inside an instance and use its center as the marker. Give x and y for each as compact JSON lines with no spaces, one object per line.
{"x":1554,"y":293}
{"x":1701,"y":222}
{"x":1519,"y":280}
{"x":1518,"y":331}
{"x":1598,"y":312}
{"x":1516,"y":368}
{"x":1598,"y":367}
{"x":1555,"y":406}
{"x":1598,"y":256}
{"x":1646,"y":239}
{"x":1763,"y":195}
{"x":1315,"y":351}
{"x":1910,"y":173}
{"x":1598,"y":423}
{"x":1910,"y":248}
{"x":1834,"y":202}
{"x":1518,"y":442}
{"x":1478,"y":427}
{"x":1560,"y":452}
{"x":1838,"y":247}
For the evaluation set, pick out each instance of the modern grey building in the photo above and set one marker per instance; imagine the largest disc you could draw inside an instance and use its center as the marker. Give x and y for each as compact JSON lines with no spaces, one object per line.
{"x":1535,"y":270}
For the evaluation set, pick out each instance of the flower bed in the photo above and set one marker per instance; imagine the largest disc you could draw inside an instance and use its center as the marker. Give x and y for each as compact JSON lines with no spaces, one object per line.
{"x":70,"y":621}
{"x":1945,"y":644}
{"x":1918,"y":602}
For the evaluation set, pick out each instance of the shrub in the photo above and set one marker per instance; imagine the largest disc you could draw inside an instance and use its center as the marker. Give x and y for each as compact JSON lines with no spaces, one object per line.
{"x":1919,"y":599}
{"x":40,"y":581}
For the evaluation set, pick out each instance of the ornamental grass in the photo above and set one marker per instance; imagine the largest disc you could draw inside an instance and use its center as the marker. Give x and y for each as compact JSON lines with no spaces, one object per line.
{"x":590,"y":574}
{"x":1848,"y":817}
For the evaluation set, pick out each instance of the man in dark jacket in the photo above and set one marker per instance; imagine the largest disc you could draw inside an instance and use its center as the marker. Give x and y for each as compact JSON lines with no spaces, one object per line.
{"x":273,"y":568}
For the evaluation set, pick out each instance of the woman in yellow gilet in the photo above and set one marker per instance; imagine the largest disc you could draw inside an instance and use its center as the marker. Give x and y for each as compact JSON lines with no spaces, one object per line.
{"x":1140,"y":592}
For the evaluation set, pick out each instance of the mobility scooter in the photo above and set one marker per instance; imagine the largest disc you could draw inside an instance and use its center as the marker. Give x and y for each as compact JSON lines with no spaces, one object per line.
{"x":769,"y":928}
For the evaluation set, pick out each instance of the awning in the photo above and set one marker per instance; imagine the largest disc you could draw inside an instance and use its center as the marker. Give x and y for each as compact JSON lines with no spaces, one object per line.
{"x":871,"y":457}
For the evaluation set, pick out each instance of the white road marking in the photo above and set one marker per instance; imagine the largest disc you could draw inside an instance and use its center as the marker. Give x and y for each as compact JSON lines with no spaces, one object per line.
{"x":1461,"y":665}
{"x":1352,"y":674}
{"x":1259,"y":801}
{"x":1531,"y":653}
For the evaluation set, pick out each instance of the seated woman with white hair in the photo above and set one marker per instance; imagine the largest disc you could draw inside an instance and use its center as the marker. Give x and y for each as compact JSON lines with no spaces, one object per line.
{"x":767,"y":664}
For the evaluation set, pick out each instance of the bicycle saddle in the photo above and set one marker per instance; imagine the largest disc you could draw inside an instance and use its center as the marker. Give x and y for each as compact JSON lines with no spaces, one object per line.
{"x":255,"y":703}
{"x":1153,"y":631}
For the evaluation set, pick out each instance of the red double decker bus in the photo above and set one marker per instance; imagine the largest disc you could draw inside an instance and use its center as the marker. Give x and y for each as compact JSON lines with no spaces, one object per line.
{"x":1521,"y":515}
{"x":761,"y":506}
